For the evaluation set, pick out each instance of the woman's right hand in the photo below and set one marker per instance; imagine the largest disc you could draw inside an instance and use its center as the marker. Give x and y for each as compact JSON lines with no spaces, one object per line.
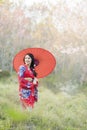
{"x":35,"y":80}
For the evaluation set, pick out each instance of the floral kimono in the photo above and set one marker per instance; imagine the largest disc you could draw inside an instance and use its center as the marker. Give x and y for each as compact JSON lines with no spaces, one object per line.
{"x":28,"y":91}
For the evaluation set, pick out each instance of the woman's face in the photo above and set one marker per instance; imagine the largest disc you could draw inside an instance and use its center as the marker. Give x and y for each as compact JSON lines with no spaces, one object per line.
{"x":28,"y":60}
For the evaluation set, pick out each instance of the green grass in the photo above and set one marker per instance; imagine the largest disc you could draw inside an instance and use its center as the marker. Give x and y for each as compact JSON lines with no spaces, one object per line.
{"x":55,"y":110}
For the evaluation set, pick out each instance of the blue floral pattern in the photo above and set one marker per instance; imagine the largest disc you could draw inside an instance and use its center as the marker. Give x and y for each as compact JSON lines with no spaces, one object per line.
{"x":25,"y":93}
{"x":21,"y":70}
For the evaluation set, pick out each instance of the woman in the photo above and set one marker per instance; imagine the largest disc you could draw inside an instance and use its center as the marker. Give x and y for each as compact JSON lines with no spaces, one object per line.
{"x":28,"y":82}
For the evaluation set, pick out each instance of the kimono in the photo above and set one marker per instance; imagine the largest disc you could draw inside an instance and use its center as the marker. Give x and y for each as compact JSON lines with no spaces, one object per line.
{"x":28,"y":91}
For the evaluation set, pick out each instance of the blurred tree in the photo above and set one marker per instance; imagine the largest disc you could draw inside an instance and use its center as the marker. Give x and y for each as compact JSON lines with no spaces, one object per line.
{"x":59,"y":28}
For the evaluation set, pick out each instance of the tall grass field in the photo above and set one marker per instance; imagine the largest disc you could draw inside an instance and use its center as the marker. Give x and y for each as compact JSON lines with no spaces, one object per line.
{"x":60,"y":106}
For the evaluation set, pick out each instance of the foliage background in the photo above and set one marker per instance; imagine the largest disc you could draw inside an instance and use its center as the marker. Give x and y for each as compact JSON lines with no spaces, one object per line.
{"x":59,"y":26}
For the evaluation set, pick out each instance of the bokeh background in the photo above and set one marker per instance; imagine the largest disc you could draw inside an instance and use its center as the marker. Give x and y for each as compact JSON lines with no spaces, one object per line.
{"x":59,"y":26}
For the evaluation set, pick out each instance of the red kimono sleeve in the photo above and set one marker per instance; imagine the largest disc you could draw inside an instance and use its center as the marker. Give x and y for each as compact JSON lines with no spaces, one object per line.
{"x":22,"y":81}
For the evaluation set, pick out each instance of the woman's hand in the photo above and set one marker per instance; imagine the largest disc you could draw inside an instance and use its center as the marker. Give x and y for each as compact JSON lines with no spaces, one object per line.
{"x":29,"y":79}
{"x":35,"y":80}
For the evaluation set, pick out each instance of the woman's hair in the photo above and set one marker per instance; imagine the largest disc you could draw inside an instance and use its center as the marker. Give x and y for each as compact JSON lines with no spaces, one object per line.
{"x":32,"y":63}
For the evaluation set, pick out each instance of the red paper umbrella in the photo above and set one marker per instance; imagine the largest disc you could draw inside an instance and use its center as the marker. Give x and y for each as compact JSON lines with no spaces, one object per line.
{"x":45,"y":59}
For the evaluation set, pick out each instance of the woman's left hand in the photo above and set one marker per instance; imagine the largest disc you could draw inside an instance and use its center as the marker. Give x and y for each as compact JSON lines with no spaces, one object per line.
{"x":35,"y":80}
